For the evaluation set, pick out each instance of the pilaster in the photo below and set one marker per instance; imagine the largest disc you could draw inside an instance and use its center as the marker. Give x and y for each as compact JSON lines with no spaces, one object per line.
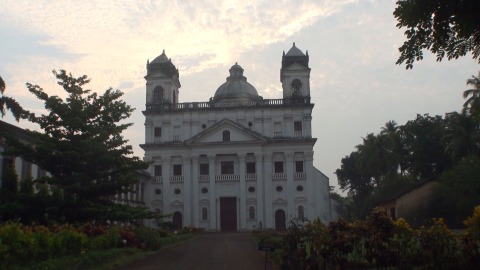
{"x":290,"y":187}
{"x":259,"y":170}
{"x":242,"y":200}
{"x":166,"y":185}
{"x":212,"y":192}
{"x":311,"y":210}
{"x":187,"y":184}
{"x":195,"y":191}
{"x":269,"y":217}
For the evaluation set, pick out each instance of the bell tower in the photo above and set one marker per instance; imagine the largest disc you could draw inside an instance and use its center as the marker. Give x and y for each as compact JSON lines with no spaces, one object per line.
{"x":162,"y":81}
{"x":295,"y":74}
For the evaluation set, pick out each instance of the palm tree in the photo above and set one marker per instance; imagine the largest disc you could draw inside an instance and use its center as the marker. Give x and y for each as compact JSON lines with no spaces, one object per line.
{"x":9,"y":103}
{"x":462,"y":137}
{"x":394,"y":139}
{"x":472,"y":105}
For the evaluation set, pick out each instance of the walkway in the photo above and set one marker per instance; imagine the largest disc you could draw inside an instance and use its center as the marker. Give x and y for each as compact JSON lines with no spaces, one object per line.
{"x":209,"y":251}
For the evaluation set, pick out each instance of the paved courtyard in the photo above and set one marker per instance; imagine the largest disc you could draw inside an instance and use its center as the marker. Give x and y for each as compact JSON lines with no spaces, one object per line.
{"x":212,"y":251}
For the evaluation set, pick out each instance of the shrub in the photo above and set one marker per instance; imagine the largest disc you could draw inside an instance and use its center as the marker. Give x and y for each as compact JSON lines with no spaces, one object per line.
{"x":471,"y":241}
{"x":149,"y":238}
{"x":67,"y":241}
{"x":16,"y":244}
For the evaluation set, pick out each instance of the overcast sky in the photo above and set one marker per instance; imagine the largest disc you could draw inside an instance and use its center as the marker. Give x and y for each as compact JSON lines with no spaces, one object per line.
{"x":353,"y":47}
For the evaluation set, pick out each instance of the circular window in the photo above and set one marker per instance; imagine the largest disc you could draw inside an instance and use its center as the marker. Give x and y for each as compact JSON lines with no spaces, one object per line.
{"x":251,"y":189}
{"x":158,"y":191}
{"x":279,"y":188}
{"x":177,"y":191}
{"x":204,"y":190}
{"x":204,"y":126}
{"x":299,"y":188}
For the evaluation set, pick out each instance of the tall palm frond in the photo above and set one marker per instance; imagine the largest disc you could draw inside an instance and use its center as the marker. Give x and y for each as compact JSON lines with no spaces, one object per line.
{"x":462,"y":137}
{"x":472,"y":104}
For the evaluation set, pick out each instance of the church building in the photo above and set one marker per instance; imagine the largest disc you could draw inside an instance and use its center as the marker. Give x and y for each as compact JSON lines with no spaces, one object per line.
{"x":237,"y":161}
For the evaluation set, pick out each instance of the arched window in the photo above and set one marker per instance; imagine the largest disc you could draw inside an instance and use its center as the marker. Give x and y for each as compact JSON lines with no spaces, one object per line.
{"x":226,"y":136}
{"x":301,"y":213}
{"x":251,"y":212}
{"x":296,"y":88}
{"x":158,"y":94}
{"x":204,"y":213}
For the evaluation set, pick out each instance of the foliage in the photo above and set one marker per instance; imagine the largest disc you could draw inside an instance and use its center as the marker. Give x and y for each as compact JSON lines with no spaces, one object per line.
{"x":393,"y":161}
{"x":462,"y":136}
{"x":471,"y":240}
{"x":472,"y":104}
{"x":446,"y":28}
{"x":379,"y":242}
{"x":84,"y":151}
{"x":27,"y":246}
{"x":458,"y":192}
{"x":9,"y":103}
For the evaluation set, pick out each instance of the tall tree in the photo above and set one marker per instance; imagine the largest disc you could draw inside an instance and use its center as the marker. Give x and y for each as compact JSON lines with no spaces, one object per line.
{"x":83,"y":149}
{"x":462,"y":136}
{"x":446,"y":28}
{"x":472,"y":104}
{"x":426,"y":157}
{"x":9,"y":103}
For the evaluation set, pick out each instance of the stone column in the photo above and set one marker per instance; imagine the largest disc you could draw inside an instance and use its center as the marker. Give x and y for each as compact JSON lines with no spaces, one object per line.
{"x":187,"y":195}
{"x":166,"y":185}
{"x":290,"y":187}
{"x":242,"y":200}
{"x":195,"y":191}
{"x":212,"y":193}
{"x":269,"y":214}
{"x":310,"y":212}
{"x":148,"y":131}
{"x":260,"y":187}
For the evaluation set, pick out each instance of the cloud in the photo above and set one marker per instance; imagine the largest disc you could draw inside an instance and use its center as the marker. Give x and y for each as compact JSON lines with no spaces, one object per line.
{"x":111,"y":40}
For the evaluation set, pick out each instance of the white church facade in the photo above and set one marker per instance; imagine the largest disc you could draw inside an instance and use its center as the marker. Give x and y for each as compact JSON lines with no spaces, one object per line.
{"x":237,"y":161}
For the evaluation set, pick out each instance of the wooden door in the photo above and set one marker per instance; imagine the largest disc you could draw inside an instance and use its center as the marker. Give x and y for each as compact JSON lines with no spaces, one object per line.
{"x":228,"y":214}
{"x":280,"y":220}
{"x":177,"y":220}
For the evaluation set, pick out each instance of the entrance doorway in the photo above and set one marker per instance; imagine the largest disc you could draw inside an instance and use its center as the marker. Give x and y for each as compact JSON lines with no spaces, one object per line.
{"x":228,"y":214}
{"x":177,"y":220}
{"x":280,"y":220}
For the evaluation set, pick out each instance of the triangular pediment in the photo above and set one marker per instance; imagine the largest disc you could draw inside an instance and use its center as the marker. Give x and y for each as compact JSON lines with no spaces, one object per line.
{"x":296,"y":67}
{"x":280,"y":201}
{"x":176,"y":203}
{"x":237,"y":133}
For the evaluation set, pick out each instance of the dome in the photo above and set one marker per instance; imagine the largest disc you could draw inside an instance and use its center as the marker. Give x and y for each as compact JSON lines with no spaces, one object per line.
{"x":162,"y":58}
{"x":294,"y":51}
{"x":236,"y":88}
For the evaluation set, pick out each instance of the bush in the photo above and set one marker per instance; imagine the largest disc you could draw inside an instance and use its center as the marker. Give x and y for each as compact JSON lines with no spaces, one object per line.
{"x":149,"y":238}
{"x":67,"y":241}
{"x":381,"y":243}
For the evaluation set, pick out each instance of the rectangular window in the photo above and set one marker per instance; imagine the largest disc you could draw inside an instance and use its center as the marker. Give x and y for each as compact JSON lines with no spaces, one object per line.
{"x":177,"y":170}
{"x":226,"y":167}
{"x":158,"y":170}
{"x":298,"y":166}
{"x":297,"y":126}
{"x":158,"y":132}
{"x":204,"y":169}
{"x":251,"y":167}
{"x":277,"y":129}
{"x":278,"y":166}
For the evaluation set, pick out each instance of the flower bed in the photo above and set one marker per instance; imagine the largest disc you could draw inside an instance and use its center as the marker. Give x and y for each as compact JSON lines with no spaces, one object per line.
{"x":23,"y":247}
{"x":380,"y":243}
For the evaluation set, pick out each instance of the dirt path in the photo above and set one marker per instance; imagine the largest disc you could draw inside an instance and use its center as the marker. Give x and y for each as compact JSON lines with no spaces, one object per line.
{"x":212,"y":251}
